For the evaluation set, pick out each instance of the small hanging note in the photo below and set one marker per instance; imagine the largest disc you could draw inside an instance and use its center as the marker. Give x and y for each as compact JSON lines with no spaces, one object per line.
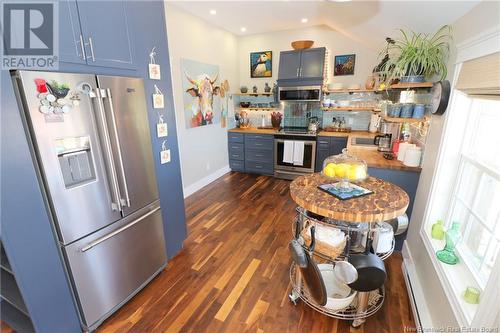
{"x":164,"y":153}
{"x":158,"y":102}
{"x":154,"y":68}
{"x":161,"y":127}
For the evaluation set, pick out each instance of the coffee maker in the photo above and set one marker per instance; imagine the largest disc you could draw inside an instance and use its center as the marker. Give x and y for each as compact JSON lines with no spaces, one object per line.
{"x":389,"y":132}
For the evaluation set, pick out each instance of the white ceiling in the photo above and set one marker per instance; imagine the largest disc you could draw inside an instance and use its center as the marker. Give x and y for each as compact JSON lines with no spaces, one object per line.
{"x":366,"y":21}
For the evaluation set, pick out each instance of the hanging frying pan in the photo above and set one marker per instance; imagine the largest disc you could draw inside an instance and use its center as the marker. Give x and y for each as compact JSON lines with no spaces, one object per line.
{"x":371,"y":270}
{"x":312,"y":275}
{"x":296,"y":250}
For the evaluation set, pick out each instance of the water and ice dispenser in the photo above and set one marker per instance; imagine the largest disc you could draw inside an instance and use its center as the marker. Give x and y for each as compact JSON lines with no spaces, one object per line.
{"x":75,"y":160}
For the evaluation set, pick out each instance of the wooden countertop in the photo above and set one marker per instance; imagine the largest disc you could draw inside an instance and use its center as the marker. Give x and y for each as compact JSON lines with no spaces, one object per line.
{"x":253,"y":130}
{"x":370,"y":155}
{"x":387,"y":201}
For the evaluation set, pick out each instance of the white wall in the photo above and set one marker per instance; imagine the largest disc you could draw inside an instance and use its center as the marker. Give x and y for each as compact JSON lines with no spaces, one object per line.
{"x":336,"y":42}
{"x":482,"y":18}
{"x":203,"y":150}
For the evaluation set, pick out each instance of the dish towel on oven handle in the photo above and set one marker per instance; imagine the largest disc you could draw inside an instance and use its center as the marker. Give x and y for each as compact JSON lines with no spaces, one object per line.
{"x":298,"y":153}
{"x":288,"y":151}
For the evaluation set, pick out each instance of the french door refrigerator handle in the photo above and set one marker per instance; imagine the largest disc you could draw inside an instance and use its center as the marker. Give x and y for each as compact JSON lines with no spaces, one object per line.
{"x":126,"y":201}
{"x":115,"y":191}
{"x":117,"y":231}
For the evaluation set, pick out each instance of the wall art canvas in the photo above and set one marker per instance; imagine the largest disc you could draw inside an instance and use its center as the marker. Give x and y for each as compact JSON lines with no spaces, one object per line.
{"x":261,"y":64}
{"x":202,"y":103}
{"x":344,"y":64}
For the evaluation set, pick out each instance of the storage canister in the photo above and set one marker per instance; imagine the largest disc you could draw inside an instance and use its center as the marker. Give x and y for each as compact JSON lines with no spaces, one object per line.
{"x":418,"y":111}
{"x":394,"y":110}
{"x":407,"y":110}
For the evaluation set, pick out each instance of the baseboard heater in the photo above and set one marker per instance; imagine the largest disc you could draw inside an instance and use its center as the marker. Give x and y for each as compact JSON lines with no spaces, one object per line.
{"x":411,"y":296}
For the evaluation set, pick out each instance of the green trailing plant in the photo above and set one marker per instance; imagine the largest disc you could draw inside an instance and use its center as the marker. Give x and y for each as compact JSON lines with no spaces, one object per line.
{"x":417,"y":54}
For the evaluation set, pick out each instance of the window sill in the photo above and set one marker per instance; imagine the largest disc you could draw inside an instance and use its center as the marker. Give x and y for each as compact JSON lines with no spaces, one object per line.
{"x":454,"y":279}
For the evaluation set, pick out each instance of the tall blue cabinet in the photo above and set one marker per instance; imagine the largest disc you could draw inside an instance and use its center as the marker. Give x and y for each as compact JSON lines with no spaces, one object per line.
{"x":123,"y":33}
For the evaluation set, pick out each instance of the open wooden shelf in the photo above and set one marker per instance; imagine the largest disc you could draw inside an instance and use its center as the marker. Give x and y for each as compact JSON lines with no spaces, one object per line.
{"x":259,"y":109}
{"x":350,"y":91}
{"x":409,"y":85}
{"x":253,"y":94}
{"x":350,"y":108}
{"x":404,"y":120}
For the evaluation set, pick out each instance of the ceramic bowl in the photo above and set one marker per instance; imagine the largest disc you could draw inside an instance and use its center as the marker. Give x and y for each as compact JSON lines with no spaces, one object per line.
{"x":339,"y":295}
{"x":302,"y":44}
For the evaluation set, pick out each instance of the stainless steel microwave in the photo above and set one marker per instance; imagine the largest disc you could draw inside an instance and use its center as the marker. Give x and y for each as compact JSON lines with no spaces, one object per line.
{"x":304,"y":93}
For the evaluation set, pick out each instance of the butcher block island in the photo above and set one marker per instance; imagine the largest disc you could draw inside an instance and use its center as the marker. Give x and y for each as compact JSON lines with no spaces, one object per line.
{"x":339,"y":246}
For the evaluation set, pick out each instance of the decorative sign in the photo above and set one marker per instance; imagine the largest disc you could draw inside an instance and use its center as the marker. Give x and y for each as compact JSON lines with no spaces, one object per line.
{"x":158,"y":102}
{"x":161,"y":127}
{"x":154,"y":68}
{"x":164,"y":153}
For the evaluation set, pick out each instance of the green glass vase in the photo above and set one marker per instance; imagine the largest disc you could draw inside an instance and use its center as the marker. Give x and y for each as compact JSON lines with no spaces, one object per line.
{"x":452,"y":237}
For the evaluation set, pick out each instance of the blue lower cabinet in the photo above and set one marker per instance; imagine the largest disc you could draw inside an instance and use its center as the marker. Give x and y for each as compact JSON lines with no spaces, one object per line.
{"x":408,"y":181}
{"x":236,"y":151}
{"x":328,"y":146}
{"x":337,"y":144}
{"x":236,"y":165}
{"x":264,"y":168}
{"x":253,"y":153}
{"x":321,"y":155}
{"x":259,"y":153}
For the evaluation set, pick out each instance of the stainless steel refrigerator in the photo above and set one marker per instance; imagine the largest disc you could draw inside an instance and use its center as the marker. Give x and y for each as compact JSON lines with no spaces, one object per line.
{"x":91,"y":141}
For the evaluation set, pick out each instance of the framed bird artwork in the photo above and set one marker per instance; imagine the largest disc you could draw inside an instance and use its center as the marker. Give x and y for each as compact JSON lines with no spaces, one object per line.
{"x":261,"y":64}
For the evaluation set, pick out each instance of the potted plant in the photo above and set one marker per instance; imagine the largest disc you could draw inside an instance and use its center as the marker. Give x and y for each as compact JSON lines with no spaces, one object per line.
{"x":417,"y":56}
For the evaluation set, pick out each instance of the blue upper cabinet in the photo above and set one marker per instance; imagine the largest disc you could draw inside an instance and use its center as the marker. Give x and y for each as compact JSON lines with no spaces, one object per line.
{"x":312,"y":63}
{"x":106,"y":35}
{"x":302,"y":66}
{"x":289,"y":67}
{"x":71,"y":48}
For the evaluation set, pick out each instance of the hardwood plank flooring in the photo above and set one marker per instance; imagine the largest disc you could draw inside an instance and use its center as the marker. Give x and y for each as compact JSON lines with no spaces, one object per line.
{"x":233,"y":274}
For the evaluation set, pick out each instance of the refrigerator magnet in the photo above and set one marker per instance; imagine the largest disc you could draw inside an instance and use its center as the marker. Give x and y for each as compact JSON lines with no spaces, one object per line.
{"x":158,"y":102}
{"x":164,"y":153}
{"x":154,"y":68}
{"x":161,"y":127}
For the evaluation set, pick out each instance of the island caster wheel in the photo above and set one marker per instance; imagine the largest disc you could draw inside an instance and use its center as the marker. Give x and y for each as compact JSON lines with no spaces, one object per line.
{"x":293,"y":297}
{"x":357,"y":323}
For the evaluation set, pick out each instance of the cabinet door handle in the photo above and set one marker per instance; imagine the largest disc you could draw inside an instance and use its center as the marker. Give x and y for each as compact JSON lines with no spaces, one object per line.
{"x":259,"y":155}
{"x":298,"y":69}
{"x":258,"y":166}
{"x":258,"y":144}
{"x":82,"y":46}
{"x":91,"y":50}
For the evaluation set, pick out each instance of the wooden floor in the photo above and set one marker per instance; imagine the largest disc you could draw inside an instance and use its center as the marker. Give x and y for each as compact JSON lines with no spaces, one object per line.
{"x":233,"y":274}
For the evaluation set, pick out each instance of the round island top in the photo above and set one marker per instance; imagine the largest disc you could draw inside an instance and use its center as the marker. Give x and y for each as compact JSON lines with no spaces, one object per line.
{"x":387,"y":201}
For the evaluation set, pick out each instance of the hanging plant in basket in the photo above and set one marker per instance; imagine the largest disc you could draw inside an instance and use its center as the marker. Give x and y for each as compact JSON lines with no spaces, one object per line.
{"x":416,"y":56}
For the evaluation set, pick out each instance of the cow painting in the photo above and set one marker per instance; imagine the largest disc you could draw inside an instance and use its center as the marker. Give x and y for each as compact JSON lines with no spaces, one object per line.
{"x":203,"y":90}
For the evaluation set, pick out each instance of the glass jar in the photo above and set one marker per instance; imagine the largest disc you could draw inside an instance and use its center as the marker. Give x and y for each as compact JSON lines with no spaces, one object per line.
{"x":344,"y":168}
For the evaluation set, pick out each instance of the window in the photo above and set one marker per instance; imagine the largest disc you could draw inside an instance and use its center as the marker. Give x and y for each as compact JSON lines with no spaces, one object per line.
{"x":475,"y":202}
{"x":468,"y":192}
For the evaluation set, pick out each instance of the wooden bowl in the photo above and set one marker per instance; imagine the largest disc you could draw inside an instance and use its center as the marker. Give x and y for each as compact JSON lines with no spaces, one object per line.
{"x":302,"y":44}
